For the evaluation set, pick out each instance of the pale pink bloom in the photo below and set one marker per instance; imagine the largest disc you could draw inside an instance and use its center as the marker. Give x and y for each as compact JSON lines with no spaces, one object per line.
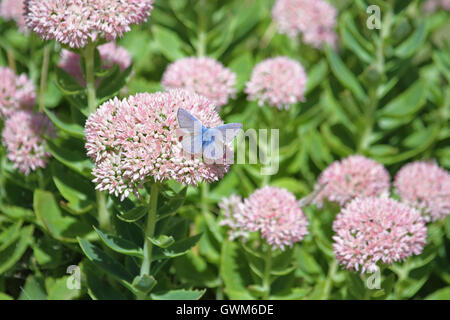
{"x":425,"y":186}
{"x":355,"y":176}
{"x":279,"y":82}
{"x":314,"y":20}
{"x":137,"y":139}
{"x":13,"y":10}
{"x":434,"y":5}
{"x":23,"y":137}
{"x":110,"y":54}
{"x":373,"y":231}
{"x":76,"y":22}
{"x":273,"y":212}
{"x":204,"y":76}
{"x":16,"y":92}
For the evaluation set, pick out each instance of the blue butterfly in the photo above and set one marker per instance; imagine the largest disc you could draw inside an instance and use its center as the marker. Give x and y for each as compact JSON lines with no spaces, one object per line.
{"x":199,"y":139}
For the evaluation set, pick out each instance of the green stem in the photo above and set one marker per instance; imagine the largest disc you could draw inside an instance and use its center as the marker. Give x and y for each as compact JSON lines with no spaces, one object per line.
{"x":90,"y":76}
{"x":150,"y":230}
{"x":329,"y":281}
{"x":89,"y":50}
{"x":267,"y":269}
{"x":204,"y":187}
{"x":103,"y":214}
{"x":11,"y":60}
{"x":44,"y":74}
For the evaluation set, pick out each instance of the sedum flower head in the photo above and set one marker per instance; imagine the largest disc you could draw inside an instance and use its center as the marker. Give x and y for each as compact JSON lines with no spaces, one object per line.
{"x":16,"y":92}
{"x":355,"y":176}
{"x":434,"y":5}
{"x":279,"y":82}
{"x":23,"y":137}
{"x":13,"y":10}
{"x":314,"y":20}
{"x":76,"y":22}
{"x":110,"y":54}
{"x":204,"y":76}
{"x":136,"y":138}
{"x":274,"y":212}
{"x":377,"y":230}
{"x":425,"y":186}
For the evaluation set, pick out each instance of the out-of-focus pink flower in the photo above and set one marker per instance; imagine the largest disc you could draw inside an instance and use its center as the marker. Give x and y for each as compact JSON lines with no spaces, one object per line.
{"x":76,"y":22}
{"x":110,"y":54}
{"x":355,"y":176}
{"x":426,"y":186}
{"x":372,"y":230}
{"x":13,"y":10}
{"x":433,"y":5}
{"x":16,"y":92}
{"x":274,"y":212}
{"x":137,"y":139}
{"x":278,"y":82}
{"x":205,"y":76}
{"x":315,"y":20}
{"x":23,"y":137}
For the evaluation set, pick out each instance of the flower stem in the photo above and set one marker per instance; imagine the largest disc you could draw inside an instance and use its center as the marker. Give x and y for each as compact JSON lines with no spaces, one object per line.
{"x":90,"y":76}
{"x":204,"y":187}
{"x":329,"y":281}
{"x":150,"y":230}
{"x":44,"y":73}
{"x":267,"y":269}
{"x":11,"y":60}
{"x":103,"y":214}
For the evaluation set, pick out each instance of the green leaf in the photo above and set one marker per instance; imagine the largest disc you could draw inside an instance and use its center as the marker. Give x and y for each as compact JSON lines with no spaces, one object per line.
{"x":10,"y":234}
{"x":134,"y":214}
{"x":177,"y":249}
{"x":113,"y":83}
{"x":61,"y":227}
{"x":413,"y":43}
{"x":441,"y":294}
{"x":10,"y":255}
{"x":344,"y":75}
{"x":178,"y":295}
{"x":169,"y":43}
{"x":67,"y":152}
{"x":242,"y":66}
{"x":67,"y":84}
{"x":59,"y":290}
{"x":76,"y":189}
{"x":71,"y":129}
{"x":120,"y":245}
{"x":316,"y":75}
{"x":4,"y":296}
{"x":33,"y":289}
{"x":162,"y":241}
{"x":234,"y":272}
{"x":408,"y":102}
{"x":144,"y":283}
{"x":351,"y":42}
{"x":16,"y":212}
{"x":104,"y":261}
{"x":99,"y":288}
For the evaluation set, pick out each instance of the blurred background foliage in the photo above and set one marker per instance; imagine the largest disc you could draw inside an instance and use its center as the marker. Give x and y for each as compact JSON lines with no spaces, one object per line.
{"x":383,"y":93}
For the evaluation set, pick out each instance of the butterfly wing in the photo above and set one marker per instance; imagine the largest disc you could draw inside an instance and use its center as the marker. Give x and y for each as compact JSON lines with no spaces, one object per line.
{"x":228,"y":132}
{"x":191,"y":131}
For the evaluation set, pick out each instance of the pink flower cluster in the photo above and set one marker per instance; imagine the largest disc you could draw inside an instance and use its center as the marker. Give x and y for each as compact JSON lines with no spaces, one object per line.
{"x":76,"y":22}
{"x":13,"y":10}
{"x":204,"y":76}
{"x":434,"y":5}
{"x":23,"y":137}
{"x":373,"y":230}
{"x":355,"y":176}
{"x":135,"y":139}
{"x":278,"y":82}
{"x":315,"y":20}
{"x":425,"y":186}
{"x":110,"y":54}
{"x":16,"y":92}
{"x":274,"y":212}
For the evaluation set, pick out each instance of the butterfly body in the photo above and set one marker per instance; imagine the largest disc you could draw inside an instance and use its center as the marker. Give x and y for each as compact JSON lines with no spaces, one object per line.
{"x":199,"y":139}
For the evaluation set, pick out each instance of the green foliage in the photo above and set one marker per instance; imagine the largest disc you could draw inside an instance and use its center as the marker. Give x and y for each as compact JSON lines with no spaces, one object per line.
{"x":383,"y":93}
